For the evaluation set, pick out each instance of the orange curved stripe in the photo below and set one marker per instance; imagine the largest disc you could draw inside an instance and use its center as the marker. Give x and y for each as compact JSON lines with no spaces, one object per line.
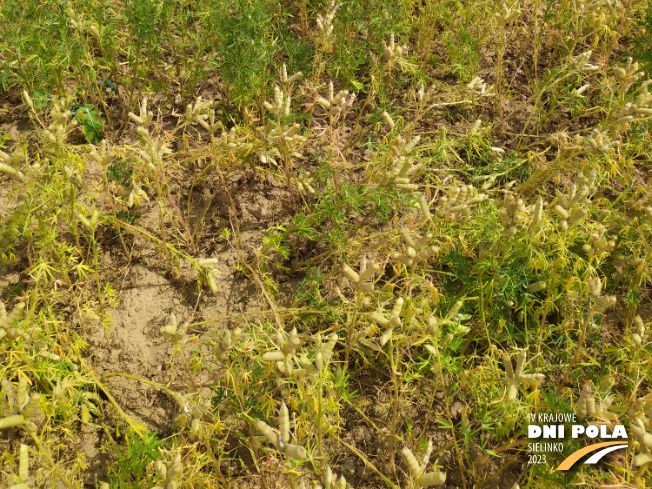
{"x":575,"y":456}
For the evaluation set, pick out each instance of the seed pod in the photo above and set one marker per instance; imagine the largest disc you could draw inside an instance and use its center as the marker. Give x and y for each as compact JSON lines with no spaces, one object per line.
{"x":455,"y":309}
{"x":174,"y":474}
{"x":85,"y":414}
{"x":23,"y":464}
{"x":432,"y":479}
{"x":350,"y":273}
{"x":411,"y":461}
{"x":22,"y":392}
{"x":273,"y":356}
{"x":398,"y":305}
{"x":426,"y":254}
{"x":637,"y":340}
{"x":30,"y":427}
{"x":577,"y":215}
{"x":268,"y":432}
{"x":388,"y":120}
{"x":295,"y":451}
{"x":561,"y":211}
{"x":12,"y":316}
{"x":387,"y":335}
{"x":210,"y":278}
{"x":327,"y":349}
{"x":11,"y":421}
{"x":536,"y":287}
{"x":32,"y":406}
{"x":308,"y":366}
{"x":161,"y":469}
{"x":379,"y":319}
{"x":647,"y":440}
{"x":424,"y":207}
{"x":284,"y":422}
{"x":12,"y":172}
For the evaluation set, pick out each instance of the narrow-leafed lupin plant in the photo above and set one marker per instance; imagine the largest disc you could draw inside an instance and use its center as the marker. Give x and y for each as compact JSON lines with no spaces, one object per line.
{"x":515,"y":376}
{"x":224,"y":341}
{"x":323,"y":352}
{"x":334,"y":104}
{"x":325,"y":22}
{"x":393,"y":52}
{"x":416,"y":251}
{"x":361,"y":281}
{"x":641,"y":336}
{"x":283,"y":357}
{"x":9,"y":165}
{"x":418,"y":471}
{"x":628,"y":75}
{"x":8,"y":319}
{"x":206,"y":273}
{"x":389,"y":323}
{"x":171,"y":475}
{"x":281,"y":438}
{"x":25,"y":406}
{"x":460,"y":204}
{"x":173,"y":333}
{"x":642,"y":430}
{"x":507,"y":14}
{"x":332,"y":481}
{"x":572,"y":208}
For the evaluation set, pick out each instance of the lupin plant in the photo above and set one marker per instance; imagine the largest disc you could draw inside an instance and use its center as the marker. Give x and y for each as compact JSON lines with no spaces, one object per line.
{"x":418,"y":470}
{"x":280,"y":438}
{"x":516,"y":377}
{"x":531,"y":258}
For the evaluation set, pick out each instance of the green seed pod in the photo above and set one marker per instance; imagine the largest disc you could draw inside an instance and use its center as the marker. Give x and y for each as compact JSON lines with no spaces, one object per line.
{"x":455,"y":309}
{"x":536,"y":287}
{"x":11,"y":421}
{"x":432,"y":479}
{"x":30,"y":427}
{"x":85,"y":414}
{"x":636,"y":262}
{"x":637,"y":340}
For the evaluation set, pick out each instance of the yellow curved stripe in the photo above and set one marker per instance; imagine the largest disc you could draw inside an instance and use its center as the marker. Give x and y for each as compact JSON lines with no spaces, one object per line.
{"x":575,"y":456}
